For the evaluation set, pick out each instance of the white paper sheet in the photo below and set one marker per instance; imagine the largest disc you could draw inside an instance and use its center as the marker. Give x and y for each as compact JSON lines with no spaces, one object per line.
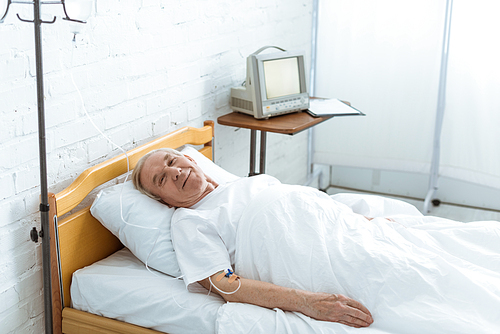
{"x":325,"y":107}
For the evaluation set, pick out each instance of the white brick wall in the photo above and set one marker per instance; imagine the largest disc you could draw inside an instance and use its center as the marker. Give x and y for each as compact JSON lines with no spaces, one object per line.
{"x":143,"y":68}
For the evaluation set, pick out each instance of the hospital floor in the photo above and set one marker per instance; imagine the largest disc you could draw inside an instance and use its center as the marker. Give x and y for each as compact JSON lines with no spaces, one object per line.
{"x":454,"y":212}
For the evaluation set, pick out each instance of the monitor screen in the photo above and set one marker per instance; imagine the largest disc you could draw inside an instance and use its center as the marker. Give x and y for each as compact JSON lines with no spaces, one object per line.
{"x":281,"y":77}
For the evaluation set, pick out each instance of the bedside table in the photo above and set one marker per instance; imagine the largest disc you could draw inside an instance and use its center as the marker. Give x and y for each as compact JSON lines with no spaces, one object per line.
{"x":289,"y":124}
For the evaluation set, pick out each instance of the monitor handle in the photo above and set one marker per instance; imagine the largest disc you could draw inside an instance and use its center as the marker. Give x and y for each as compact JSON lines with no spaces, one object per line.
{"x":267,"y":47}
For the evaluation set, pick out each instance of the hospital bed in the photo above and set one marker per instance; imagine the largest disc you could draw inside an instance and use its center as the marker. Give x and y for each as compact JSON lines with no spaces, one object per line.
{"x":100,"y":278}
{"x":107,"y":288}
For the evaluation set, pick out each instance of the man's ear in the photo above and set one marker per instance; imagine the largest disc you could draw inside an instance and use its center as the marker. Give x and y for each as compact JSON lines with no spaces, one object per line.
{"x":187,"y":156}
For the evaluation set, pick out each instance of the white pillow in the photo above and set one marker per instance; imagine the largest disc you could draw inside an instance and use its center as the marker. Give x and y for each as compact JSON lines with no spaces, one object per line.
{"x":151,"y":243}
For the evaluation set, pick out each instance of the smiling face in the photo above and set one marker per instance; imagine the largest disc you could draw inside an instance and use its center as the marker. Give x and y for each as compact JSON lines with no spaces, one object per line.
{"x":177,"y":180}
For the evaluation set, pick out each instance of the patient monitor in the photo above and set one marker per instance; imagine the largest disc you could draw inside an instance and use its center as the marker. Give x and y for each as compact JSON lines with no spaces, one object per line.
{"x":275,"y":84}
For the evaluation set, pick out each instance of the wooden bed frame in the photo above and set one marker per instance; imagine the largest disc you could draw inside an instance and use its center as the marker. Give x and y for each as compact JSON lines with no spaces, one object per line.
{"x":83,"y":240}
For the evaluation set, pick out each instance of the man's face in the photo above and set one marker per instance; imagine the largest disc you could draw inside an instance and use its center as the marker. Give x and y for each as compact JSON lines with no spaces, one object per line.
{"x":177,"y":180}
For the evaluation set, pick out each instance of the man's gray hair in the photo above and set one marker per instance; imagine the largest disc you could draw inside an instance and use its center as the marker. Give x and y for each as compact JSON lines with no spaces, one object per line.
{"x":136,"y":174}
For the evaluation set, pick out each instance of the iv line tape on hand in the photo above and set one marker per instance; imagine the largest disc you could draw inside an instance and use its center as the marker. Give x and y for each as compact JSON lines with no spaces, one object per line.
{"x":121,"y":193}
{"x":232,"y":277}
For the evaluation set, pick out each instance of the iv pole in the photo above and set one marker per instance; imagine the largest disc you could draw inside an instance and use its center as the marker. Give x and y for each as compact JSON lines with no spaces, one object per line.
{"x":311,"y":175}
{"x":44,"y":198}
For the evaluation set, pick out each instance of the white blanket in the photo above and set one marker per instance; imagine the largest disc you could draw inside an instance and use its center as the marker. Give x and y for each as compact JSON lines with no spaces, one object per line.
{"x":416,"y":275}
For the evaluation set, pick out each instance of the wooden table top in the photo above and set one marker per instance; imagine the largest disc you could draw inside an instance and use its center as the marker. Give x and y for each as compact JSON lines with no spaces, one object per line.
{"x":287,"y":124}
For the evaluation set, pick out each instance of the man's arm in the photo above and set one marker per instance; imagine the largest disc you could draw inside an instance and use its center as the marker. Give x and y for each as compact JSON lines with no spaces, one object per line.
{"x":320,"y":306}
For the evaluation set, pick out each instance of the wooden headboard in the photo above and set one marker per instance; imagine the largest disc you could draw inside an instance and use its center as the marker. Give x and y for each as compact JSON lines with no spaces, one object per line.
{"x":82,"y":239}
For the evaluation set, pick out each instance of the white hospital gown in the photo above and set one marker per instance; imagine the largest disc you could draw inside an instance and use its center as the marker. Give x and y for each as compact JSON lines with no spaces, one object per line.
{"x":204,"y":236}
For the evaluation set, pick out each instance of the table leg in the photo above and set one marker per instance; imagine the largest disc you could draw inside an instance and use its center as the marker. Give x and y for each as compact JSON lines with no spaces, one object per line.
{"x":263,"y":138}
{"x":253,"y":143}
{"x":253,"y":152}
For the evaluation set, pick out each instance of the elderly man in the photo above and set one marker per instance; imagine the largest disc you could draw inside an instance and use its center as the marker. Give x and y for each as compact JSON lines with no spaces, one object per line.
{"x":206,"y":222}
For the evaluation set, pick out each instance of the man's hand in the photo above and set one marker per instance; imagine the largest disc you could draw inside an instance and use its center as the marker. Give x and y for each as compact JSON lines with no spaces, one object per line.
{"x":320,"y":306}
{"x":337,"y":308}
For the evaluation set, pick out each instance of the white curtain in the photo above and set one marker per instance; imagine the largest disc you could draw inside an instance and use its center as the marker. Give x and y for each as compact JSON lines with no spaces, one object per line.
{"x":471,"y":125}
{"x":384,"y":57}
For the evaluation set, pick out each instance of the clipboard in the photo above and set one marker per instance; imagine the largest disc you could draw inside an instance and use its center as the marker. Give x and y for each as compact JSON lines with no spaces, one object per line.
{"x":331,"y":107}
